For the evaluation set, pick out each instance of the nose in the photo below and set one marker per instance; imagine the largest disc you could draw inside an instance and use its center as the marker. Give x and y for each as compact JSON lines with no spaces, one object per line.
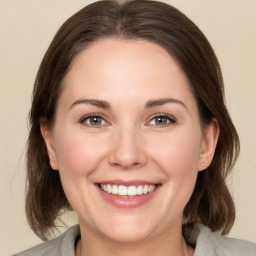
{"x":127,"y":150}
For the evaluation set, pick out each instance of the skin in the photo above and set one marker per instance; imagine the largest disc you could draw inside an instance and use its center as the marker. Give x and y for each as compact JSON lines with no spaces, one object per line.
{"x":129,"y":144}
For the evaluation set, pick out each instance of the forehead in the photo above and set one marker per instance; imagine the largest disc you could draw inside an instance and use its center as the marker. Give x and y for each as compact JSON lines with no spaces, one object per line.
{"x":125,"y":69}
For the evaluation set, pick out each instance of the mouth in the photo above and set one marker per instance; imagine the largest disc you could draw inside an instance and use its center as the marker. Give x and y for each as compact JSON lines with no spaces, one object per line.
{"x":128,"y":191}
{"x":127,"y":194}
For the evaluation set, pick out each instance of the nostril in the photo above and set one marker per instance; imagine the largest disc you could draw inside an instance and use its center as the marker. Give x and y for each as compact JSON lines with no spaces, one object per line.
{"x":127,"y":165}
{"x":127,"y":160}
{"x":127,"y":151}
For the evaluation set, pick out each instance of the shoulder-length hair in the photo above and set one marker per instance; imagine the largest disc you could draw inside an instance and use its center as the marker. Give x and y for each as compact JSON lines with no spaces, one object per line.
{"x":211,"y":202}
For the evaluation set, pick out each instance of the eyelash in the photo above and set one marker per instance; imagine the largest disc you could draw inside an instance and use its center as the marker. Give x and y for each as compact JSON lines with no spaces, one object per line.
{"x":170,"y":120}
{"x":94,"y":115}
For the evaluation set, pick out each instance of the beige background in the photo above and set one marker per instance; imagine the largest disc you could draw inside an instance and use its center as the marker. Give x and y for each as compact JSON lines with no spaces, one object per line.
{"x":26,"y":29}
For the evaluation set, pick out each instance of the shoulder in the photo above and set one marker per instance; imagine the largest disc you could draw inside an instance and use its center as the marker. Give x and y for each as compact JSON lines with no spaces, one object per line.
{"x":213,"y":244}
{"x":60,"y":246}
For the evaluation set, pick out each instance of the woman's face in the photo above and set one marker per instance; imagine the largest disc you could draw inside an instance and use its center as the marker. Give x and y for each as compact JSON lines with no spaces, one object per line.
{"x":127,"y":140}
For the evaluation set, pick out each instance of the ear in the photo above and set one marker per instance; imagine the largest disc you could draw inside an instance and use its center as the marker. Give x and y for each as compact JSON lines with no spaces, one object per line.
{"x":47,"y":133}
{"x":209,"y":143}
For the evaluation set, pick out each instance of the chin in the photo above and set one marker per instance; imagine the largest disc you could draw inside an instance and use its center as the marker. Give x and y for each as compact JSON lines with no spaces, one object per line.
{"x":128,"y":229}
{"x":127,"y":235}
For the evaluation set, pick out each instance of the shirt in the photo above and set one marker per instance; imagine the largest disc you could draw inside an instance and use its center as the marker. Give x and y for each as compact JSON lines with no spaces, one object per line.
{"x":206,"y":242}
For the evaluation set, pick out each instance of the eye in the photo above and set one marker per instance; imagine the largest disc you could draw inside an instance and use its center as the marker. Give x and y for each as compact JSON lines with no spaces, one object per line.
{"x":162,"y":120}
{"x":93,"y":120}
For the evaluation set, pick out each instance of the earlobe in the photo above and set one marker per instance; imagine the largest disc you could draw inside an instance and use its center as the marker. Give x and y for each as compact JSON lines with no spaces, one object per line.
{"x":209,"y":143}
{"x":47,"y":134}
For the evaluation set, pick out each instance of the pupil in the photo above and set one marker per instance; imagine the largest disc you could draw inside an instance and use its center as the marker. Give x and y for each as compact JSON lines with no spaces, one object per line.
{"x":95,"y":120}
{"x":161,"y":120}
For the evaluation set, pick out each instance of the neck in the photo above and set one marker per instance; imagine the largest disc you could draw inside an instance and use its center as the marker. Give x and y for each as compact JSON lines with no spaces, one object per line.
{"x":170,"y":245}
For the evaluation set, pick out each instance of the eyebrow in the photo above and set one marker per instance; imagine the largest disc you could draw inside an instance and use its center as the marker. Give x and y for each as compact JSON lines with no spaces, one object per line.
{"x":105,"y":105}
{"x":97,"y":103}
{"x":160,"y":102}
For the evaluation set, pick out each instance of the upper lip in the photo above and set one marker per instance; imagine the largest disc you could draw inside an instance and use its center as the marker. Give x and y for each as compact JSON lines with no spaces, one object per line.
{"x":127,"y":183}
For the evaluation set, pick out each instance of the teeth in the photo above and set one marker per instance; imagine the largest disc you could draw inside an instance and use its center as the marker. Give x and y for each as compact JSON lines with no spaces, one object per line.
{"x":114,"y":190}
{"x":145,"y":189}
{"x":109,"y":189}
{"x":139,"y":190}
{"x":127,"y":190}
{"x":122,"y":191}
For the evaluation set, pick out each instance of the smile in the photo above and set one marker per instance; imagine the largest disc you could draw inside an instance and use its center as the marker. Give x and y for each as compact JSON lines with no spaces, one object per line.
{"x":122,"y":190}
{"x":127,"y":194}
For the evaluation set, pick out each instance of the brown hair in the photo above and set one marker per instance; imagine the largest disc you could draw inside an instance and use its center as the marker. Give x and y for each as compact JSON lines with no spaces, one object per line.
{"x":211,"y":202}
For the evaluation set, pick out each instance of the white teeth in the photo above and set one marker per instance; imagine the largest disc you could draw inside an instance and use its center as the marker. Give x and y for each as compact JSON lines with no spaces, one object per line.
{"x":145,"y":189}
{"x":132,"y":191}
{"x":122,"y":191}
{"x":140,"y":190}
{"x":109,"y":189}
{"x":127,"y":190}
{"x":114,"y":190}
{"x":151,"y":188}
{"x":103,"y":187}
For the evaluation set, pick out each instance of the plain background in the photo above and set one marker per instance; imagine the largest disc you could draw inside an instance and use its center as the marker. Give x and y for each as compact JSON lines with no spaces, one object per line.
{"x":26,"y":29}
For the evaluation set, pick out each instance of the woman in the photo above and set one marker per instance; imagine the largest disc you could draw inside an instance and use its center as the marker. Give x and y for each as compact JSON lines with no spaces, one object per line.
{"x":130,"y":130}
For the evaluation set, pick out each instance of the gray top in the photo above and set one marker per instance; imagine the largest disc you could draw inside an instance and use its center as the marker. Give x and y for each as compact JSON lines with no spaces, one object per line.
{"x":206,"y":242}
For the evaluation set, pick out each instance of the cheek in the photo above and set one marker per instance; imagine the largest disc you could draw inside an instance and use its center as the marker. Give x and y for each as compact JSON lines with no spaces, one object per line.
{"x":178,"y":158}
{"x":178,"y":154}
{"x":77,"y":154}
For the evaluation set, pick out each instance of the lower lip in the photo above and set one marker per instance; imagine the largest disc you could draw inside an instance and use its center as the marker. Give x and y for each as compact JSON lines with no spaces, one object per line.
{"x":127,"y":202}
